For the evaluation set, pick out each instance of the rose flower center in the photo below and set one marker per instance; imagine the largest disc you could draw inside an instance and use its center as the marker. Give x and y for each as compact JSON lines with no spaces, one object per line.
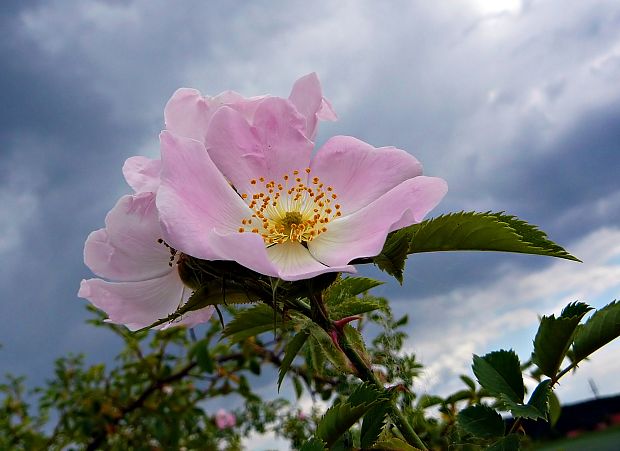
{"x":292,"y":209}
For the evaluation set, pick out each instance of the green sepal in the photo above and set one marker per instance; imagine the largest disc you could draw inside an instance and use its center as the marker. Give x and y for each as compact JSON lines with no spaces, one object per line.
{"x":601,"y":328}
{"x":499,"y":372}
{"x":481,"y":421}
{"x":208,"y":294}
{"x":554,"y":337}
{"x":290,"y":351}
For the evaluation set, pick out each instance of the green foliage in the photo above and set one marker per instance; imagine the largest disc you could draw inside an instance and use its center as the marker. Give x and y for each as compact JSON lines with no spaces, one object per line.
{"x":373,"y":424}
{"x":509,"y":443}
{"x":500,"y":373}
{"x":520,"y":410}
{"x":341,"y":416}
{"x":481,"y":421}
{"x":200,"y":350}
{"x":601,"y":328}
{"x":555,"y":410}
{"x":555,"y":336}
{"x":394,"y":253}
{"x":292,"y":349}
{"x":346,"y":288}
{"x":314,"y":444}
{"x":466,"y":231}
{"x":540,"y":398}
{"x":251,"y":322}
{"x":155,"y":393}
{"x":393,"y":444}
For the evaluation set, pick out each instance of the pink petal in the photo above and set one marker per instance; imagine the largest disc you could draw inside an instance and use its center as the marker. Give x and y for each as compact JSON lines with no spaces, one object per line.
{"x":142,"y":173}
{"x":361,"y":173}
{"x":363,"y":233}
{"x":187,"y":113}
{"x":127,"y":249}
{"x":326,"y":111}
{"x":273,"y":146}
{"x":194,"y":199}
{"x":288,"y":261}
{"x":136,"y":304}
{"x":294,"y":262}
{"x":307,"y":97}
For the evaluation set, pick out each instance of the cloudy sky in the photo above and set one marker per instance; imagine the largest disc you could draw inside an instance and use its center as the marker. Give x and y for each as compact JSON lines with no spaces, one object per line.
{"x":516,"y":103}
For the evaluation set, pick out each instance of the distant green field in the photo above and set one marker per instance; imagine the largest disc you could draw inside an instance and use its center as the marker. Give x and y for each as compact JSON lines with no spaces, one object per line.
{"x":608,"y":440}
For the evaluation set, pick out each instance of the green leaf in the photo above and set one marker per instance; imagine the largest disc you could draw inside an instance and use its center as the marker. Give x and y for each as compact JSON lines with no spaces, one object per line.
{"x":372,"y":425}
{"x":251,"y":322}
{"x":328,"y":349}
{"x":203,"y":357}
{"x":574,"y":309}
{"x":338,"y":419}
{"x":509,"y":443}
{"x":481,"y":421}
{"x":500,"y":373}
{"x":458,"y":396}
{"x":394,"y":253}
{"x":540,"y":398}
{"x":468,"y":381}
{"x":426,"y":401}
{"x":348,"y":287}
{"x":476,"y":231}
{"x":299,"y":388}
{"x":394,"y":444}
{"x":366,"y":394}
{"x":291,"y":350}
{"x":314,"y":444}
{"x":353,"y":306}
{"x":356,"y":341}
{"x":520,"y":410}
{"x":601,"y":328}
{"x":555,"y":409}
{"x":555,"y":336}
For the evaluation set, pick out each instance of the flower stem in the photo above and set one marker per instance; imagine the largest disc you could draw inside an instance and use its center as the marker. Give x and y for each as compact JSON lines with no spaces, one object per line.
{"x":362,"y":368}
{"x":366,"y":374}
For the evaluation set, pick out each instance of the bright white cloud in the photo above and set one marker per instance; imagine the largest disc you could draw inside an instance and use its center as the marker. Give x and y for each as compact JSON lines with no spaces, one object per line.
{"x":449,"y":329}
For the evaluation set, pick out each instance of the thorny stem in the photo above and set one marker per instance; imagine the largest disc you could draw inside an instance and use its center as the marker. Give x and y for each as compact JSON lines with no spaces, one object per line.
{"x":364,"y":371}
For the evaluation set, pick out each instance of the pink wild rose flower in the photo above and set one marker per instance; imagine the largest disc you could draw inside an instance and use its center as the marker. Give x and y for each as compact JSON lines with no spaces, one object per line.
{"x":252,"y":192}
{"x":225,"y":419}
{"x":130,"y":252}
{"x":188,"y":113}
